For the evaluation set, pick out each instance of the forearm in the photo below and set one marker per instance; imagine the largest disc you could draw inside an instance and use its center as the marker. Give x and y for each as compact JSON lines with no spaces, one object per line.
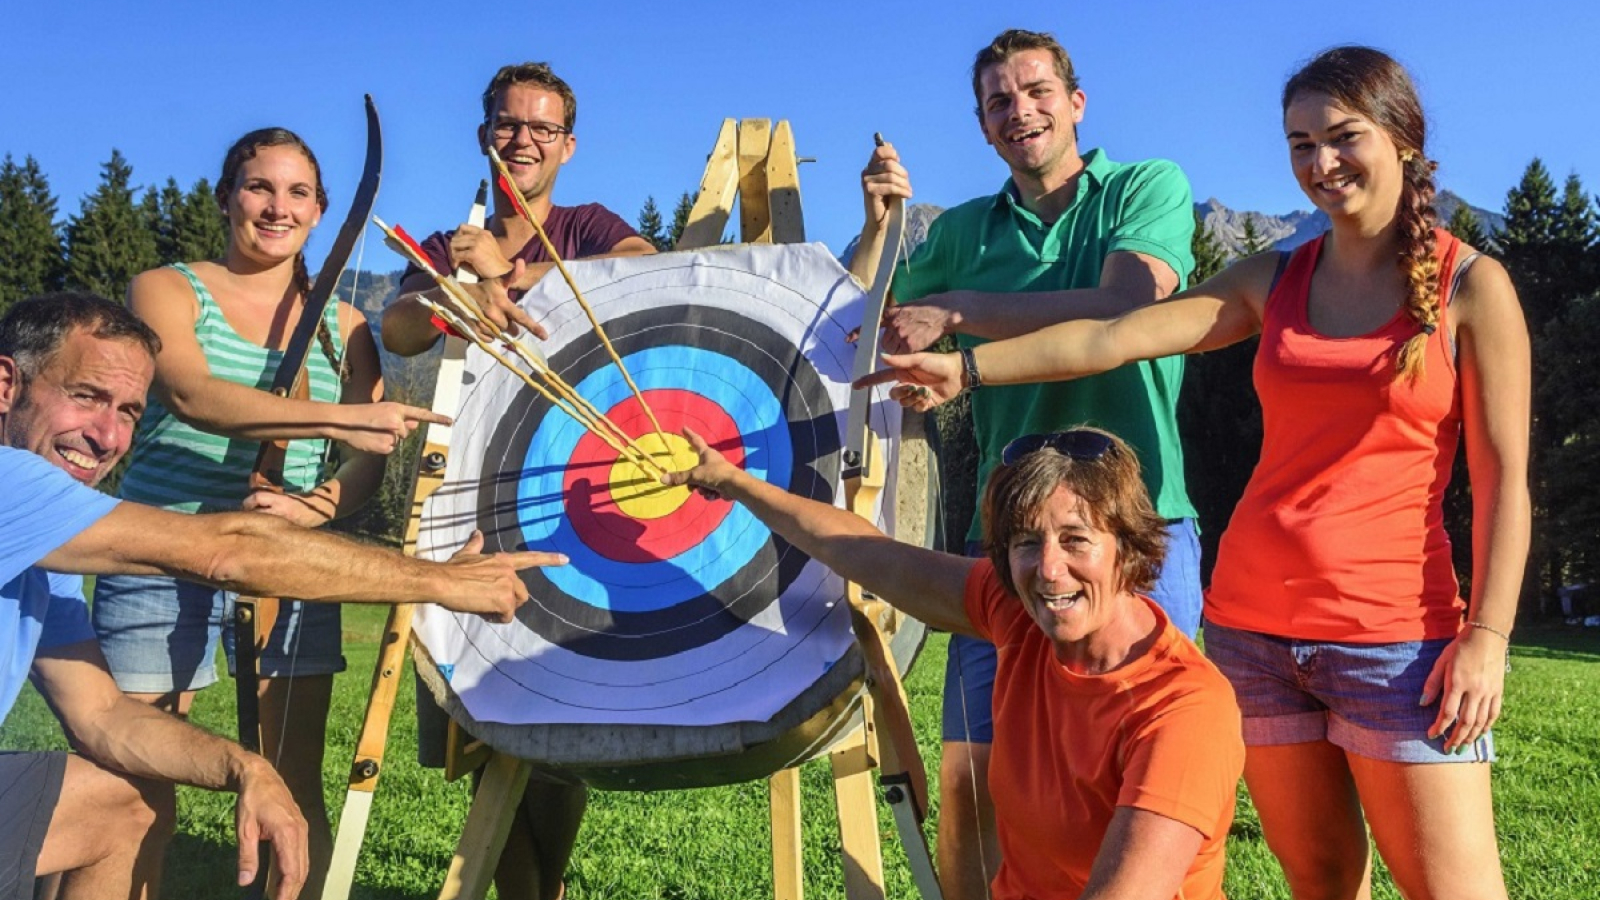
{"x":235,"y":411}
{"x":1060,"y":352}
{"x":266,"y":556}
{"x":869,"y":250}
{"x":140,"y":740}
{"x":924,"y":583}
{"x":997,"y":317}
{"x":354,"y":483}
{"x":408,"y":327}
{"x":1500,"y":536}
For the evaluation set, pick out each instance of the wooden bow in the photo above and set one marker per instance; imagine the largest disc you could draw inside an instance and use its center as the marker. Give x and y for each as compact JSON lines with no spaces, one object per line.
{"x":902,"y":775}
{"x":254,"y":617}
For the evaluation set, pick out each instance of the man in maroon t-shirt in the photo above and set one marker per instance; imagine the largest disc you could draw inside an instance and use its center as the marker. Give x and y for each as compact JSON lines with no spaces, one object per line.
{"x":528,"y":114}
{"x":528,"y":118}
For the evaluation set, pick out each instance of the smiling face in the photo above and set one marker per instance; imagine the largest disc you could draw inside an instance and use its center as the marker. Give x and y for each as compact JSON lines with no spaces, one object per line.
{"x":80,"y":410}
{"x":533,"y":165}
{"x":273,"y":204}
{"x":1067,"y":572}
{"x":1344,"y":162}
{"x":1030,"y":116}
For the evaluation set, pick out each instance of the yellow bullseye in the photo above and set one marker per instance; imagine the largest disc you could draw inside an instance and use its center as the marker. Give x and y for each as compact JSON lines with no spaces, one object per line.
{"x":639,"y":494}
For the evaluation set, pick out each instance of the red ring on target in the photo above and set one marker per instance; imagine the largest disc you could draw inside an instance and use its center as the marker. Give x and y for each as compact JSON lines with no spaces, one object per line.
{"x":591,"y":499}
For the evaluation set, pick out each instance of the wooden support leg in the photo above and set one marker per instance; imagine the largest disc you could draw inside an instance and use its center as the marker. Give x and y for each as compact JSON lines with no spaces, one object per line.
{"x":484,"y":835}
{"x":784,"y":791}
{"x":857,"y":800}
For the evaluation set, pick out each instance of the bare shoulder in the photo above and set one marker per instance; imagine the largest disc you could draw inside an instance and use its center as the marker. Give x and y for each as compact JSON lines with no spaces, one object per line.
{"x":162,"y":292}
{"x":1247,"y":281}
{"x":351,"y":319}
{"x":1486,"y":295}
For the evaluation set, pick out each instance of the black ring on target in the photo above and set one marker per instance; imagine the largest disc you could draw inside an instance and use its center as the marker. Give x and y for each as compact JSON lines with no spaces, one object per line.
{"x":813,"y":434}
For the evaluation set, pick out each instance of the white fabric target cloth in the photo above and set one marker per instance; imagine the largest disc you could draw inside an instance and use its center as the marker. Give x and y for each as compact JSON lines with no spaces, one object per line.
{"x":675,"y":610}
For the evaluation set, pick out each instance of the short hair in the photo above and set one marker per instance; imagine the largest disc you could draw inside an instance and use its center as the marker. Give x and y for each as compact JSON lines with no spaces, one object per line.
{"x":537,"y":74}
{"x":33,"y":330}
{"x":1013,"y":41}
{"x":1114,"y":499}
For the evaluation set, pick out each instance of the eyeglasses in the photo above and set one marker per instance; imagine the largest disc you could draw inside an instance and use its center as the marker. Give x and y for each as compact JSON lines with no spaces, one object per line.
{"x":1078,"y":444}
{"x":541,"y":132}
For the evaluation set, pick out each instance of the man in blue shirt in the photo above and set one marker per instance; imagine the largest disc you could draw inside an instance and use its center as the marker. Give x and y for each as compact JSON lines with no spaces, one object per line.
{"x":74,"y":371}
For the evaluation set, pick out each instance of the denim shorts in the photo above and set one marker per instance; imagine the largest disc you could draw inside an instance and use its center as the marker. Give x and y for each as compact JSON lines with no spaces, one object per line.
{"x":1359,"y":697}
{"x":970,"y":663}
{"x":160,"y":634}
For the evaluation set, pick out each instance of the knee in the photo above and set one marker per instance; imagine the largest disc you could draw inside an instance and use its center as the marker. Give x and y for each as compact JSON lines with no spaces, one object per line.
{"x":149,"y":808}
{"x":132,"y":814}
{"x":1329,"y":871}
{"x":964,"y":775}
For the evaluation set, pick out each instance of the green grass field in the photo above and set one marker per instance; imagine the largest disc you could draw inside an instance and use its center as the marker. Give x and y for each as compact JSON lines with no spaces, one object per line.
{"x":713,"y":844}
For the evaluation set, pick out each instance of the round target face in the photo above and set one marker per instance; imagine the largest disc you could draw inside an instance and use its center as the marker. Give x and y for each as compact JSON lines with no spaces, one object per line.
{"x":673,"y":608}
{"x":655,"y":569}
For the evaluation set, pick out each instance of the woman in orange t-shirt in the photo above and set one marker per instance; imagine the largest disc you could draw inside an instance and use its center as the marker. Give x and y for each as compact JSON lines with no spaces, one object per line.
{"x":1117,"y":750}
{"x":1333,"y":609}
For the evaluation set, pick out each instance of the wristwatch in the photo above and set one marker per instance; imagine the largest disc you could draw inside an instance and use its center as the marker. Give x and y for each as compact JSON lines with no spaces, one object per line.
{"x":969,"y":369}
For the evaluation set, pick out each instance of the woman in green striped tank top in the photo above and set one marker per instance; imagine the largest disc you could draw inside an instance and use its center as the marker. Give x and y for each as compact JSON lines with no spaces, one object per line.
{"x":224,"y":325}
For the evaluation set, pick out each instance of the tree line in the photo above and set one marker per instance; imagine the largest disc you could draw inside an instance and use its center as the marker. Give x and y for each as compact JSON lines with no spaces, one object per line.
{"x":1549,"y":242}
{"x":116,"y":234}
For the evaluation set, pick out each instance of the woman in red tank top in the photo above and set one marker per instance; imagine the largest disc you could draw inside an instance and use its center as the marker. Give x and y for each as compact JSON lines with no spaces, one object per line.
{"x":1334,"y":609}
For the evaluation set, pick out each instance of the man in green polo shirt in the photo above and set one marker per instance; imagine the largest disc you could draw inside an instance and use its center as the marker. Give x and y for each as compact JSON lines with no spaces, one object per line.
{"x":1070,"y":235}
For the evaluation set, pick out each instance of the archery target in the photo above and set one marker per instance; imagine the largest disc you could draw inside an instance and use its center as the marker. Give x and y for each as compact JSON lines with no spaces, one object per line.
{"x":674,"y":609}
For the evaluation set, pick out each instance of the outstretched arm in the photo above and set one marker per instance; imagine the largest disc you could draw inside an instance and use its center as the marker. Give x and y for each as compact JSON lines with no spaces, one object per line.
{"x":1224,"y":310}
{"x":924,"y":583}
{"x":185,"y":385}
{"x":1128,"y":281}
{"x":267,"y":556}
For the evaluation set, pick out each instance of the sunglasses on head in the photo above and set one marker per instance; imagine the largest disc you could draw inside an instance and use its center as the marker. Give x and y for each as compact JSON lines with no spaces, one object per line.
{"x":1078,"y":444}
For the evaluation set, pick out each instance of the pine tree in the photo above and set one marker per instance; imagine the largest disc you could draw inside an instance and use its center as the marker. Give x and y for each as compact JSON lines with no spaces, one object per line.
{"x":1576,"y":235}
{"x":1210,"y":257}
{"x":650,"y":225}
{"x":186,"y":224}
{"x":108,"y":242}
{"x":680,"y":217}
{"x":1465,"y":226}
{"x":1526,"y":239}
{"x":1250,"y":241}
{"x":30,"y":248}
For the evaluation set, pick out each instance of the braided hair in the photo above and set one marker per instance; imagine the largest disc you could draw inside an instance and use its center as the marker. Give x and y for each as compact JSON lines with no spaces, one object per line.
{"x":246,"y":148}
{"x":1373,"y":84}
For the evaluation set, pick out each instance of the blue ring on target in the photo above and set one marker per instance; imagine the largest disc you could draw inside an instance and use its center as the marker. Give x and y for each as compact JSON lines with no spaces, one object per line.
{"x":653,"y":586}
{"x":810,"y":441}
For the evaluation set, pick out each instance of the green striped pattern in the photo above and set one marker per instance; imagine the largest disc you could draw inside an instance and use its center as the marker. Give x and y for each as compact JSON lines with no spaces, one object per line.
{"x":176,"y":466}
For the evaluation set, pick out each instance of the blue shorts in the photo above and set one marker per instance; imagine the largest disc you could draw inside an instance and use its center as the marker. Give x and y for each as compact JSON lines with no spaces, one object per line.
{"x":970,"y":664}
{"x":1359,"y":697}
{"x":160,"y":634}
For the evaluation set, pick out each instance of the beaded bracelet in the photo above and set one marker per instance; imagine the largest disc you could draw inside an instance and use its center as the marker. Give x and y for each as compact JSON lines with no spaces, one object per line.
{"x":1491,"y":629}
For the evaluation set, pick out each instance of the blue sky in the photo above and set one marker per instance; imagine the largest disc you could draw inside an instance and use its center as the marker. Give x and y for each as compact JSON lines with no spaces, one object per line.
{"x":171,"y":84}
